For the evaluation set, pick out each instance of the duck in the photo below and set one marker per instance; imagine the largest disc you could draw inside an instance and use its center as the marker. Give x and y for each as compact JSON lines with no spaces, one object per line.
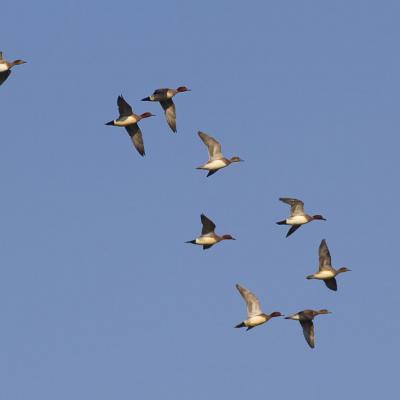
{"x":5,"y":67}
{"x":326,"y":272}
{"x":129,"y":120}
{"x":305,"y":318}
{"x":255,"y":315}
{"x":216,"y":160}
{"x":164,"y":97}
{"x":297,"y":215}
{"x":208,"y":236}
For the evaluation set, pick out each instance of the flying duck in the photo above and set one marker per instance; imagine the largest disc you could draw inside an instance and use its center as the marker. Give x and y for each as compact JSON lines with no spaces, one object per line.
{"x":208,"y":237}
{"x":5,"y":67}
{"x":164,"y":97}
{"x":129,"y":120}
{"x":297,"y":215}
{"x":255,"y":315}
{"x":326,"y":272}
{"x":216,"y":159}
{"x":306,"y":321}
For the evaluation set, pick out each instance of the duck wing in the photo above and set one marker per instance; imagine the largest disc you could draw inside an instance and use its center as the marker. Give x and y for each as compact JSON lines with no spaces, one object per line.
{"x":325,"y":261}
{"x":292,"y":229}
{"x":308,"y":332}
{"x":296,"y":206}
{"x":252,"y":301}
{"x":208,"y":225}
{"x":123,"y":107}
{"x":170,"y":113}
{"x":137,"y":138}
{"x":4,"y":75}
{"x":214,"y":147}
{"x":331,"y":283}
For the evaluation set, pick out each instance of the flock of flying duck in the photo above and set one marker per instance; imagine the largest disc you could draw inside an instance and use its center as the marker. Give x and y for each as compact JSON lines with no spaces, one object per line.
{"x":208,"y":238}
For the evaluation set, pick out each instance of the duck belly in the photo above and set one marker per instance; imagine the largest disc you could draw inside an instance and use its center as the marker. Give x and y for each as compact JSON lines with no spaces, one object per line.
{"x":3,"y":67}
{"x":254,"y":321}
{"x":205,"y":240}
{"x":125,"y":121}
{"x":324,"y":275}
{"x":297,"y":220}
{"x":214,"y":165}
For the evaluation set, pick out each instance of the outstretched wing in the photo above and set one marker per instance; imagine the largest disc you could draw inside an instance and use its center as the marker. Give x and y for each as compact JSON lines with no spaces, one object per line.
{"x":137,"y":138}
{"x":208,"y":225}
{"x":296,"y":206}
{"x":308,"y":332}
{"x":292,"y":229}
{"x":214,"y":147}
{"x":123,"y":107}
{"x":252,"y":302}
{"x":170,"y":113}
{"x":4,"y":75}
{"x":331,"y":284}
{"x":325,"y":261}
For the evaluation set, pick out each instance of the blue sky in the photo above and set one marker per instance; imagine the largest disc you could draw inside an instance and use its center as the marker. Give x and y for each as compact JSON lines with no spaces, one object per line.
{"x":99,"y":295}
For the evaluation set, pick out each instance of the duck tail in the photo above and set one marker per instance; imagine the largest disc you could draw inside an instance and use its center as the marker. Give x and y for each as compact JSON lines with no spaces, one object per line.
{"x":146,"y":98}
{"x":241,"y":325}
{"x":191,"y":241}
{"x":283,"y":222}
{"x":309,"y":276}
{"x":110,"y":123}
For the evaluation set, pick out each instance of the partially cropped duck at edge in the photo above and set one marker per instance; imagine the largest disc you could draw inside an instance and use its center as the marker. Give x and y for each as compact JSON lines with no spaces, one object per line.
{"x":306,"y":321}
{"x":5,"y":67}
{"x":326,"y":272}
{"x":164,"y":97}
{"x":255,"y":315}
{"x":216,"y":159}
{"x":129,"y":120}
{"x":208,"y":237}
{"x":297,"y":215}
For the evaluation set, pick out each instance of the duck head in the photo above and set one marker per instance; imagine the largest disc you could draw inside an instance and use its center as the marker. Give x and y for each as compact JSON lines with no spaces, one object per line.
{"x":276,"y":314}
{"x":319,"y":217}
{"x":343,"y":269}
{"x":323,"y":311}
{"x":235,"y":159}
{"x":227,"y":237}
{"x":146,"y":115}
{"x":17,"y":62}
{"x":182,"y":89}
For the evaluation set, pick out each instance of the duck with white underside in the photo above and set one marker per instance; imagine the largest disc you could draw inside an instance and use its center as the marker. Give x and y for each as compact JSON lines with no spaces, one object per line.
{"x":326,"y":272}
{"x":129,"y":120}
{"x":208,"y":236}
{"x":297,"y":216}
{"x":5,"y":67}
{"x":164,"y":97}
{"x":305,"y":318}
{"x":255,"y":315}
{"x":216,"y":159}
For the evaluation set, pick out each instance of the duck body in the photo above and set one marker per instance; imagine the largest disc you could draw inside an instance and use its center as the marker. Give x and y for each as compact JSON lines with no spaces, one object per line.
{"x":216,"y":159}
{"x":255,"y":315}
{"x":129,"y":120}
{"x":164,"y":97}
{"x":326,"y":272}
{"x":297,"y":216}
{"x":208,"y":236}
{"x":305,"y":318}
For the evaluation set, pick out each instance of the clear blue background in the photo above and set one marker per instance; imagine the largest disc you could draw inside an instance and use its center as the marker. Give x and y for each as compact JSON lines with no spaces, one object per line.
{"x":99,"y":296}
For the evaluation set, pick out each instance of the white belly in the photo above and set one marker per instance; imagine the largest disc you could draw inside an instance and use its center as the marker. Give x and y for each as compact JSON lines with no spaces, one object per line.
{"x":216,"y":164}
{"x":254,"y":321}
{"x":297,"y":220}
{"x":3,"y":67}
{"x":324,"y":275}
{"x":205,"y":240}
{"x":125,"y":121}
